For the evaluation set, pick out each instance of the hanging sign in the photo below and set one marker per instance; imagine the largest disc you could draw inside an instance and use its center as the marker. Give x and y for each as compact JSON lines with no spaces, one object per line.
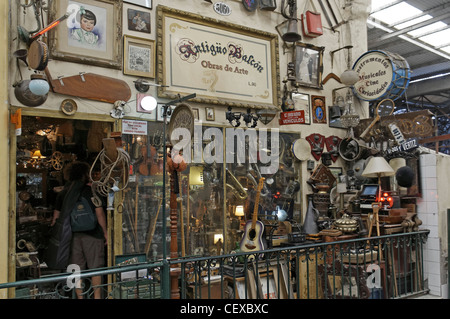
{"x":382,"y":75}
{"x":134,"y":127}
{"x":292,"y":117}
{"x":410,"y":144}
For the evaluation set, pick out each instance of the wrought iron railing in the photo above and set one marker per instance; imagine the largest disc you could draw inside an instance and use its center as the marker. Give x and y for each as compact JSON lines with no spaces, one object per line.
{"x":382,"y":267}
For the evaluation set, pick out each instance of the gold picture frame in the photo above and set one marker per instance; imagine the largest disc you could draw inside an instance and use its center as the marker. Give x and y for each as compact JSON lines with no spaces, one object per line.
{"x":138,"y":57}
{"x":245,"y":73}
{"x":102,"y":46}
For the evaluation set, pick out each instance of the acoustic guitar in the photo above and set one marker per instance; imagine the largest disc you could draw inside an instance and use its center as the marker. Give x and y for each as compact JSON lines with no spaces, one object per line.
{"x":252,"y":238}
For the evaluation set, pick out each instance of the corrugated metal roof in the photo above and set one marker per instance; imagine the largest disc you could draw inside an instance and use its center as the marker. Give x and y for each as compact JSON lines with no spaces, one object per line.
{"x":423,"y":62}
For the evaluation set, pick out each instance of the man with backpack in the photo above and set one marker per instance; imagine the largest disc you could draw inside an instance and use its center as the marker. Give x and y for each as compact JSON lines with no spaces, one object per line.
{"x":81,"y":226}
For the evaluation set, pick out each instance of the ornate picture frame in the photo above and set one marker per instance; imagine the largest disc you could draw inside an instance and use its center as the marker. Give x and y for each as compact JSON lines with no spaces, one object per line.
{"x":308,"y":65}
{"x":101,"y":46}
{"x":139,"y":57}
{"x":319,"y":109}
{"x":223,"y":63}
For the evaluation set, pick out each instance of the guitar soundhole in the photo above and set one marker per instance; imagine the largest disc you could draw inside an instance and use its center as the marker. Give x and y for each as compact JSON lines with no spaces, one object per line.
{"x":252,"y":234}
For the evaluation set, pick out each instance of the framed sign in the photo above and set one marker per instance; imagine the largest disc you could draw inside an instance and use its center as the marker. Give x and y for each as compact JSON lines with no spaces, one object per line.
{"x":319,"y":110}
{"x":308,"y":65}
{"x":138,"y":57}
{"x":92,"y":34}
{"x":222,"y":63}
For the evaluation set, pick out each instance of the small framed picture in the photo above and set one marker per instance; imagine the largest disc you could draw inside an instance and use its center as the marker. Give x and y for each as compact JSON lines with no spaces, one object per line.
{"x":138,"y":20}
{"x":209,"y":111}
{"x":139,"y":57}
{"x":319,"y":110}
{"x":196,"y":114}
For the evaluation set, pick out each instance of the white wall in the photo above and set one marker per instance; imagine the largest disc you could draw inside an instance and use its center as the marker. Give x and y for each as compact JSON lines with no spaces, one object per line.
{"x":432,"y":210}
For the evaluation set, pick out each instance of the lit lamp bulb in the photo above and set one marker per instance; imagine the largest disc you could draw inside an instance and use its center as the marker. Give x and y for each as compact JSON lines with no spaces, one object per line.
{"x":149,"y":103}
{"x":38,"y":85}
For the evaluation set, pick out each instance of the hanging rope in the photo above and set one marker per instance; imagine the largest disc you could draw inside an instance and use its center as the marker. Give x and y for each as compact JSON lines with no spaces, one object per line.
{"x":110,"y":172}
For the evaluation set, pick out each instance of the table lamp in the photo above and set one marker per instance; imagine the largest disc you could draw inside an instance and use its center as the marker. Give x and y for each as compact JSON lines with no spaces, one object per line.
{"x":377,"y":167}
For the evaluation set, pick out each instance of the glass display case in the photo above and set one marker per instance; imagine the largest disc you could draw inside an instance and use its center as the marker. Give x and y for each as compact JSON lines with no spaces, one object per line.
{"x":215,"y":193}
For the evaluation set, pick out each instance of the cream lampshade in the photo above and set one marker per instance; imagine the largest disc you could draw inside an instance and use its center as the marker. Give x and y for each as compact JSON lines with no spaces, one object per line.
{"x":239,"y":212}
{"x":378,"y":167}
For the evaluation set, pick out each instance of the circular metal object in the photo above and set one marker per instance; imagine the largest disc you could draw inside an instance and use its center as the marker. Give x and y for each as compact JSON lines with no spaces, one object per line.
{"x":26,"y":97}
{"x":301,"y":149}
{"x":182,"y":117}
{"x":69,"y":107}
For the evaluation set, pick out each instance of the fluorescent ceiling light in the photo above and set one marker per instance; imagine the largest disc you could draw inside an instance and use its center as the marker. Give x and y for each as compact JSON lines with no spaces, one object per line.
{"x":376,"y":4}
{"x":437,"y":38}
{"x":396,"y":13}
{"x":427,"y":29}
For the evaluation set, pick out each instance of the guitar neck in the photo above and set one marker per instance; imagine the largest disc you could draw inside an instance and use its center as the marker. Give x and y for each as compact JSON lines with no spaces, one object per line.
{"x":255,"y":209}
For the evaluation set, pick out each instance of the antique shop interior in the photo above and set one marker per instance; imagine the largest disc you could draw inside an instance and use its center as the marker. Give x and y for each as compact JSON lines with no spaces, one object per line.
{"x":293,"y":124}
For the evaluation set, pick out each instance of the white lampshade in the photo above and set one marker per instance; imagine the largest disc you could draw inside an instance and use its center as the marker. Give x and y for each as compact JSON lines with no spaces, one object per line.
{"x":239,"y":212}
{"x":39,"y":86}
{"x":349,"y":77}
{"x":378,"y":167}
{"x":149,"y":103}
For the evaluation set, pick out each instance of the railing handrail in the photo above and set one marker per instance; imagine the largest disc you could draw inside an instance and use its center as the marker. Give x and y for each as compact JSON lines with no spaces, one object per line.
{"x":161,"y":265}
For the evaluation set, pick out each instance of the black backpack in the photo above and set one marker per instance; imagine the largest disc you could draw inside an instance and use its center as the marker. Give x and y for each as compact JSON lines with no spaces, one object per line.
{"x":82,"y":216}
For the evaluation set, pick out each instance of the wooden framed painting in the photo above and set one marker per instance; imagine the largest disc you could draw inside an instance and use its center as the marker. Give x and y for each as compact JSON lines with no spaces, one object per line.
{"x":319,"y":110}
{"x":138,"y":57}
{"x":91,"y":34}
{"x":308,"y":65}
{"x":138,"y":20}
